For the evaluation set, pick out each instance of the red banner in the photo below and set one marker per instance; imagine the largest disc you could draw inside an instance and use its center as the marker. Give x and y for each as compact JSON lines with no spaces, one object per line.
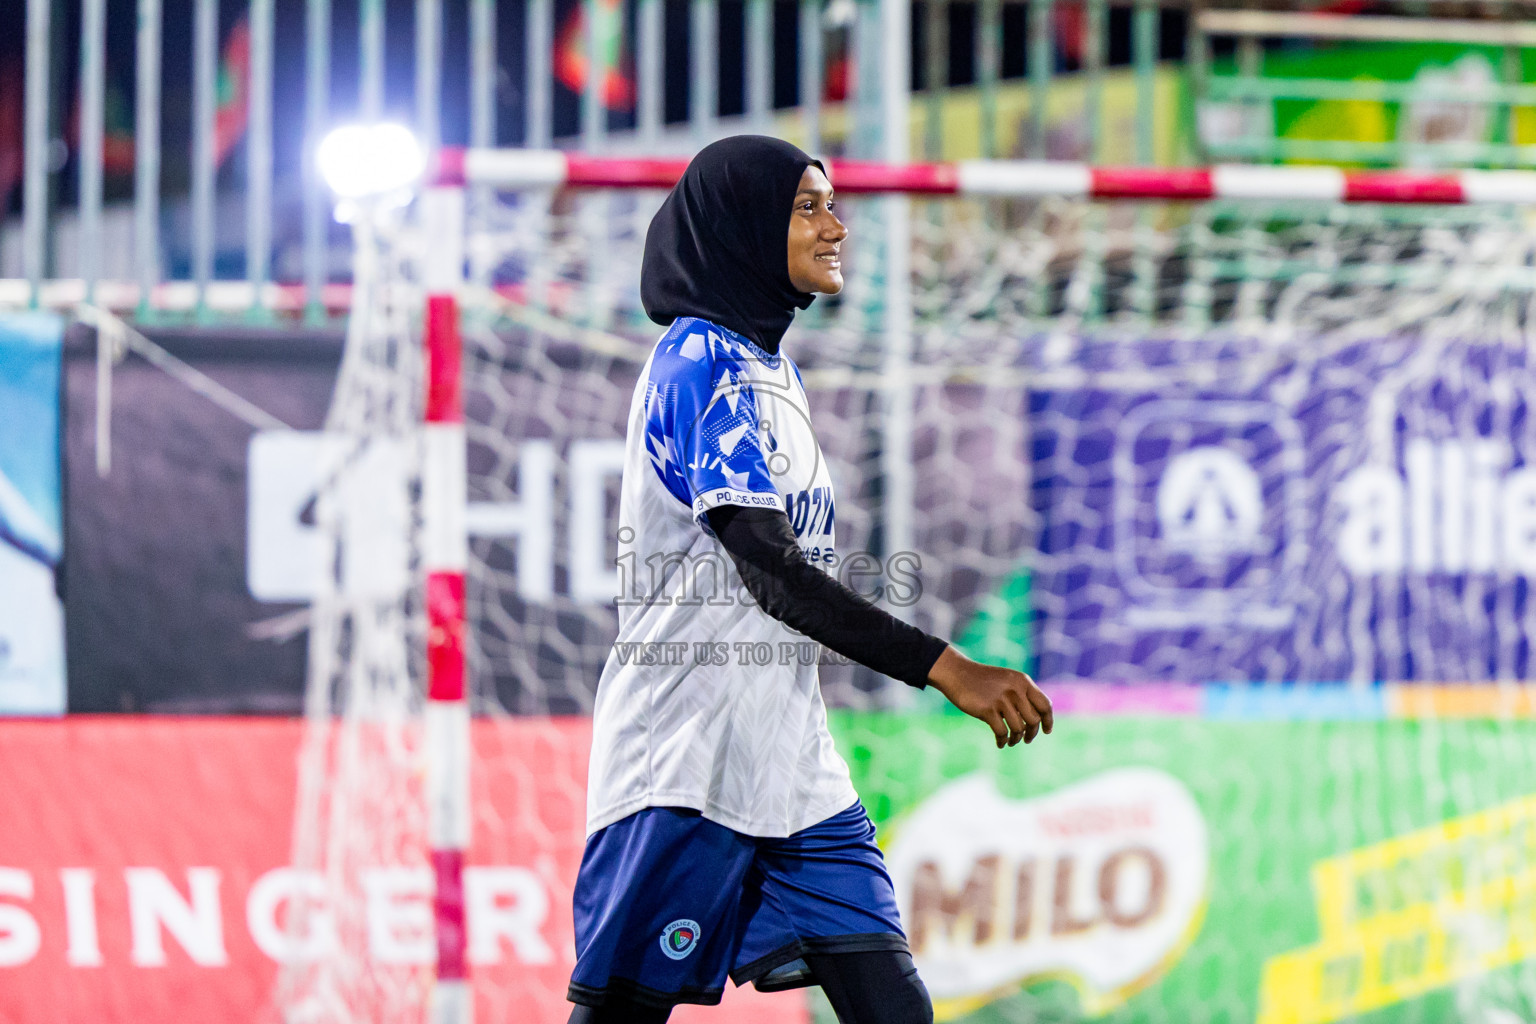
{"x":143,"y":872}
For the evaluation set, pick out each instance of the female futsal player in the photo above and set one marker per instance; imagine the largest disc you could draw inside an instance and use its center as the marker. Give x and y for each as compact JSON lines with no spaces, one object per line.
{"x":724,"y":836}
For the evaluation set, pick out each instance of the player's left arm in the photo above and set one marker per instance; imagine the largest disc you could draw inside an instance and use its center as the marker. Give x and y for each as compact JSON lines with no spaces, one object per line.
{"x":762,"y":544}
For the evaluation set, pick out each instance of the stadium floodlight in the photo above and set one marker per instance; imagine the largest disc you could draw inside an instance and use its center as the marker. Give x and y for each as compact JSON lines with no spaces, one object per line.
{"x":370,"y":161}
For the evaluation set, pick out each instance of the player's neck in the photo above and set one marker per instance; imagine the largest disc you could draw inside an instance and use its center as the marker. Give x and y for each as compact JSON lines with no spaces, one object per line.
{"x":768,"y":352}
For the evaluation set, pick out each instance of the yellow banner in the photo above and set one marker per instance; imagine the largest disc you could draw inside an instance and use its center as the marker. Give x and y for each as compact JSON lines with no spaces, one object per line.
{"x":1411,"y":914}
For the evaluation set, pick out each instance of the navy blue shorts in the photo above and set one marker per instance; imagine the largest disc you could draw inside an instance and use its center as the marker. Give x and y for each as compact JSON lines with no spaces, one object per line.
{"x":668,"y":904}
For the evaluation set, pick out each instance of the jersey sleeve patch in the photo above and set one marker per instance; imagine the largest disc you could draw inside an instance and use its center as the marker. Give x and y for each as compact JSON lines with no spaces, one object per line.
{"x":701,"y":425}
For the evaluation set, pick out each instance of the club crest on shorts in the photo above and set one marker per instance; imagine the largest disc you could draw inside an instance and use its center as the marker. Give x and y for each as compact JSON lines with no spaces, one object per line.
{"x":679,"y":938}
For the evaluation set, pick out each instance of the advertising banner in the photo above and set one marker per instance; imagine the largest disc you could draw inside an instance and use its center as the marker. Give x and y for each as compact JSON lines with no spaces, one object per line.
{"x":1222,"y":854}
{"x":1191,"y":854}
{"x":31,"y":517}
{"x":1341,"y":508}
{"x":1365,"y":511}
{"x":144,"y":873}
{"x":1429,"y":106}
{"x":161,"y":618}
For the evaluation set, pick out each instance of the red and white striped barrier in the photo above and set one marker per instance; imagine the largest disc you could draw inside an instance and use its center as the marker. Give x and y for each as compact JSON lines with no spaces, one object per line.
{"x":446,"y":555}
{"x":531,"y":168}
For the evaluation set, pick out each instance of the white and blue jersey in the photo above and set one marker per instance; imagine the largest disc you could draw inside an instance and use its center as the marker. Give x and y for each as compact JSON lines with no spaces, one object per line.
{"x":706,"y":701}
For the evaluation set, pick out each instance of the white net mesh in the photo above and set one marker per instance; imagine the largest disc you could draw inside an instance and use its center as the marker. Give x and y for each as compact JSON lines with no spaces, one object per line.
{"x":360,"y":826}
{"x":1064,"y":357}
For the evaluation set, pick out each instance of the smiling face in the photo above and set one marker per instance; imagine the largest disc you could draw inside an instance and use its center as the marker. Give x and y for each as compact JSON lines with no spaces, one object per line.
{"x":815,"y":237}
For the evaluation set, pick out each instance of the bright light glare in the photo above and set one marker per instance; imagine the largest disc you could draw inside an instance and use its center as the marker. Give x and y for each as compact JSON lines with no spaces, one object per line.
{"x":360,"y":161}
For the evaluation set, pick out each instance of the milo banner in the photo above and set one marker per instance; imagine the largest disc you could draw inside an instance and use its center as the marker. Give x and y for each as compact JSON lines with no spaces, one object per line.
{"x":31,"y":520}
{"x":1278,"y":856}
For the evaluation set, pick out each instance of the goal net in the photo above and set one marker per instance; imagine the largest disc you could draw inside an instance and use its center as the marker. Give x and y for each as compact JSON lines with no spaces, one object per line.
{"x":1133,"y":446}
{"x":360,"y":835}
{"x":1220,"y":440}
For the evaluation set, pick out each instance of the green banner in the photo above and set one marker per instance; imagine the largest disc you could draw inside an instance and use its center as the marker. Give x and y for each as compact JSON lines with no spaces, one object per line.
{"x":1193,"y":869}
{"x":1425,"y":104}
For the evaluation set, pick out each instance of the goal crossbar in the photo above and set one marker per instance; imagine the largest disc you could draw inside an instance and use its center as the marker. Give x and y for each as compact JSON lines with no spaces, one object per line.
{"x":513,"y":169}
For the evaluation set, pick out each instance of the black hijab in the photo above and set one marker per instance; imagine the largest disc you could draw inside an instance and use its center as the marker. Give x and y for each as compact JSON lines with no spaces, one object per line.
{"x":718,"y":247}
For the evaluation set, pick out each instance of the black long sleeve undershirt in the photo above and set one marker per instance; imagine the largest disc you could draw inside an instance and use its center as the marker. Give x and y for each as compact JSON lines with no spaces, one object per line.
{"x":761,"y":542}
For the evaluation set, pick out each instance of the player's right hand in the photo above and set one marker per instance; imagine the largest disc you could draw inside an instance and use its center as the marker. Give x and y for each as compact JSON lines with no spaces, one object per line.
{"x":1007,"y":700}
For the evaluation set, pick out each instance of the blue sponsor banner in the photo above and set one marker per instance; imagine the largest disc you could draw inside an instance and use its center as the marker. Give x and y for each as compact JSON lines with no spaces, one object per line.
{"x":31,"y":521}
{"x":1232,"y":512}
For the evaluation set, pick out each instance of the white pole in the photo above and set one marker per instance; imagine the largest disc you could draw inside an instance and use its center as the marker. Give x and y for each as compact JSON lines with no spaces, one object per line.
{"x":205,"y":57}
{"x":759,"y":61}
{"x":429,"y":71}
{"x":482,"y":73}
{"x":370,"y":45}
{"x":540,"y":36}
{"x":810,"y":73}
{"x":317,"y":93}
{"x":594,"y":111}
{"x":703,"y":58}
{"x":258,"y":203}
{"x":900,"y":394}
{"x":650,"y":31}
{"x":93,"y":45}
{"x":34,"y":224}
{"x":482,"y":100}
{"x":146,"y":164}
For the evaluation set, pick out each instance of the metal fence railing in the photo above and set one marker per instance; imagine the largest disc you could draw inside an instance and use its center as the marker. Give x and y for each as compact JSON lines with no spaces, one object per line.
{"x":217,"y":104}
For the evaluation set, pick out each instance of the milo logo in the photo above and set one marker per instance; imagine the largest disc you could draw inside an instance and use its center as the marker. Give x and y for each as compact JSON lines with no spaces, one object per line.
{"x":1102,"y":883}
{"x":679,"y":938}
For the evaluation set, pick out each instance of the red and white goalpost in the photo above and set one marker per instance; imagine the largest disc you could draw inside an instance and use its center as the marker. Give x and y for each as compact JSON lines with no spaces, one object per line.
{"x":513,"y":169}
{"x":445,"y":556}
